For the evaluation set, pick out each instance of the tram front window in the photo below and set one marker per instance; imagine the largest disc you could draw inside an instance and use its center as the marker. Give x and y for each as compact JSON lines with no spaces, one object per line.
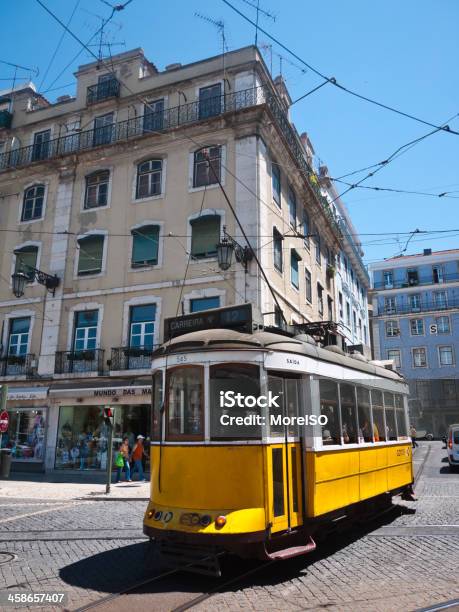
{"x":231,"y":389}
{"x":157,"y":398}
{"x":185,"y":398}
{"x":391,"y":426}
{"x":329,"y":408}
{"x":379,"y":427}
{"x":348,"y":414}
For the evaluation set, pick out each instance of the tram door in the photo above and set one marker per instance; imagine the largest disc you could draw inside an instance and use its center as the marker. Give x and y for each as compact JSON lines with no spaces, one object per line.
{"x":285,"y":473}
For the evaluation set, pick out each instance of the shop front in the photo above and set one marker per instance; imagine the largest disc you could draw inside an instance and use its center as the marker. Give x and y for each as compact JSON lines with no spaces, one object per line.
{"x":82,"y":436}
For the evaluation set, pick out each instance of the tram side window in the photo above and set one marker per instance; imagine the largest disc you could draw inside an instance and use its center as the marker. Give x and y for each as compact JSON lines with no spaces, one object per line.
{"x":185,"y":400}
{"x":243,"y":379}
{"x":348,"y":414}
{"x":391,"y":426}
{"x":287,"y":391}
{"x":379,"y":427}
{"x":364,"y":412}
{"x":156,"y":401}
{"x":400,"y":416}
{"x":329,"y":408}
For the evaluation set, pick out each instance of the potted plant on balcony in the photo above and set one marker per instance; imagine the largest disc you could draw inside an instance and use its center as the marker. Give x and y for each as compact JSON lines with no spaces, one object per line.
{"x":331,"y":270}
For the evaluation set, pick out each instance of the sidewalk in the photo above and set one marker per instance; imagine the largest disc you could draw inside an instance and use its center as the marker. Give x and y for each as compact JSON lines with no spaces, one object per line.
{"x":68,"y":487}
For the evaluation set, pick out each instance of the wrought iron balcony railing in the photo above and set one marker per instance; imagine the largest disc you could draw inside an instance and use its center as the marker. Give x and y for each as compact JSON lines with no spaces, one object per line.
{"x":17,"y":365}
{"x":131,"y":357}
{"x":103,"y":91}
{"x":76,"y":362}
{"x":422,"y":281}
{"x":424,"y":306}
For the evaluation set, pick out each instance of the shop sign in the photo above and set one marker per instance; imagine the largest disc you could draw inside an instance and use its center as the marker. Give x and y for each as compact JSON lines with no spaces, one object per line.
{"x":104,"y":392}
{"x":238,"y":318}
{"x":4,"y":421}
{"x":27,"y":393}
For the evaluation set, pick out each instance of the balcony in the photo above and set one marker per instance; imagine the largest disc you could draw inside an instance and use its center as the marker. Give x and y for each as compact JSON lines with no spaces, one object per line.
{"x":131,"y":358}
{"x":171,"y":118}
{"x":17,"y":365}
{"x":103,"y":91}
{"x":79,"y":362}
{"x":421,"y":282}
{"x":425,"y":306}
{"x":5,"y":119}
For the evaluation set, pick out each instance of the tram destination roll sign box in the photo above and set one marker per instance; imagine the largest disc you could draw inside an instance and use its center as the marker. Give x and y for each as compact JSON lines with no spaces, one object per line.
{"x":238,"y":318}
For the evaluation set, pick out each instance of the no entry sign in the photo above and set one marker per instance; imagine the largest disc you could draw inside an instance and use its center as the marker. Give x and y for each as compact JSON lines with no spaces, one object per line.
{"x":4,"y":421}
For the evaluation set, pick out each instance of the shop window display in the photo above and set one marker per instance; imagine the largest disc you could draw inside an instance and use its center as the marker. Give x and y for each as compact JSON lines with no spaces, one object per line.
{"x":26,"y":434}
{"x":82,"y":438}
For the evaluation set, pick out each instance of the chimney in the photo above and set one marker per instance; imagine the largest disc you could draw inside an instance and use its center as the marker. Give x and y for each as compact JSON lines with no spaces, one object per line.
{"x":63,"y":98}
{"x":174,"y":66}
{"x":427,"y":251}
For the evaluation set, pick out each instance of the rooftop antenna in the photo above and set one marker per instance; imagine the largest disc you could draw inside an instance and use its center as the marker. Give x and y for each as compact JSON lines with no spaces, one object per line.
{"x":220,"y":25}
{"x":103,"y":42}
{"x":14,"y":77}
{"x":266,"y":47}
{"x":264,"y":12}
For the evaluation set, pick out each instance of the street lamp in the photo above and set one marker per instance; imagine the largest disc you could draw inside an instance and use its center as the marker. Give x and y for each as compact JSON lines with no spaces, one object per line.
{"x":20,"y":279}
{"x":225,"y":249}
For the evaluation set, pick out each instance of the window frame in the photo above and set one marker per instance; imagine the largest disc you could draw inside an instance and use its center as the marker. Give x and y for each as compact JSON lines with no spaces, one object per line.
{"x":88,"y":177}
{"x":76,"y":314}
{"x":443,"y":333}
{"x":188,"y":437}
{"x":422,"y":327}
{"x":149,"y":173}
{"x":28,"y":188}
{"x":414,"y":350}
{"x":91,"y":274}
{"x":453,"y":359}
{"x":292,"y":207}
{"x":276,"y":176}
{"x":212,"y":181}
{"x":11,"y":321}
{"x":278,"y":238}
{"x":395,"y":350}
{"x":195,"y":220}
{"x":22,"y":248}
{"x":386,"y":327}
{"x":308,"y":285}
{"x":136,"y":231}
{"x":295,"y":256}
{"x":142,"y":323}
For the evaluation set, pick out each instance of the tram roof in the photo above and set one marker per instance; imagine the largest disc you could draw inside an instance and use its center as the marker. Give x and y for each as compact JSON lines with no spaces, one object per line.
{"x":217,"y":339}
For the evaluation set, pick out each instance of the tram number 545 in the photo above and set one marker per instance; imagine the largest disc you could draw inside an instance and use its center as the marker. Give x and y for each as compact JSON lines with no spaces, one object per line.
{"x":181,"y":359}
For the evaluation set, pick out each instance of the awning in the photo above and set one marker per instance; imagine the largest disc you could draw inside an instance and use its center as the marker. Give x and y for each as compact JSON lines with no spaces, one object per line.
{"x":26,"y":393}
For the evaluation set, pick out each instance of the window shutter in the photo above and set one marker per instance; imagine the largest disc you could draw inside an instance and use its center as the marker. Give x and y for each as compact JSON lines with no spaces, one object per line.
{"x":145,"y":246}
{"x":90,"y":256}
{"x":205,"y":235}
{"x":27,"y":256}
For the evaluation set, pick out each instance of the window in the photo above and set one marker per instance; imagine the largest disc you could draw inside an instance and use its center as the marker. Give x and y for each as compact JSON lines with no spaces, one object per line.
{"x":317,"y":239}
{"x":306,"y":229}
{"x":142,"y":326}
{"x":443,"y":326}
{"x":329,"y":408}
{"x":379,"y":426}
{"x":153,"y":116}
{"x":103,"y":130}
{"x":348,"y":414}
{"x":41,"y":142}
{"x":207,"y":166}
{"x":390,"y":305}
{"x":204,"y":303}
{"x":388,"y":279}
{"x":354,"y":321}
{"x":292,"y":207}
{"x":320,"y":299}
{"x":90,"y":257}
{"x":156,"y":404}
{"x":18,"y":338}
{"x":276,"y":183}
{"x":419,"y":358}
{"x":391,"y":426}
{"x":149,"y":178}
{"x":145,"y":242}
{"x":348,"y":314}
{"x":330,"y":308}
{"x":277,"y":242}
{"x":185,"y":403}
{"x":308,"y":285}
{"x":417,"y":327}
{"x":402,"y":427}
{"x":412,"y":277}
{"x":96,"y":193}
{"x":26,"y":258}
{"x":440,"y":299}
{"x":205,"y":235}
{"x":278,"y":318}
{"x":364,"y":414}
{"x":238,"y":378}
{"x":394,"y":354}
{"x":294,"y":259}
{"x":415,"y":302}
{"x":340,"y":303}
{"x":365,"y":334}
{"x":446,"y":357}
{"x":392,"y":329}
{"x":85,"y":330}
{"x":437,"y":274}
{"x":210,"y":101}
{"x":32,"y":207}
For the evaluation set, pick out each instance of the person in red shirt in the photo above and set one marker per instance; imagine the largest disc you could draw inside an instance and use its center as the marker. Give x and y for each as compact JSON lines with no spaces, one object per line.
{"x":136,"y":457}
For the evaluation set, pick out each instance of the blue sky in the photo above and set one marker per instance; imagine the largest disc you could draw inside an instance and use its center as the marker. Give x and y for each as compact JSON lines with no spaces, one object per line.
{"x":403,"y":54}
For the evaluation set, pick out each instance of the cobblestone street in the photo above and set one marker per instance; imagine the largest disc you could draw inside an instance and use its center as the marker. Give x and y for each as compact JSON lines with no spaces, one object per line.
{"x":93,"y":548}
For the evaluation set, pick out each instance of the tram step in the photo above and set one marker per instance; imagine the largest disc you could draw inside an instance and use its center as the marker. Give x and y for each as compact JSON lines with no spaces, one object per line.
{"x":293,"y":551}
{"x":196,"y":560}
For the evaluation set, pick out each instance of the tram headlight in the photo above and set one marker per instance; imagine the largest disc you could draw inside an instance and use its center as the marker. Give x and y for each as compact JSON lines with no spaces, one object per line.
{"x":205,"y":520}
{"x":220,"y":521}
{"x":158,"y":515}
{"x":150,"y":513}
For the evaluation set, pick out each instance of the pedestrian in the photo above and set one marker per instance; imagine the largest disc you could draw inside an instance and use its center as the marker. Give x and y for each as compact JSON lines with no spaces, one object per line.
{"x":122,"y":461}
{"x":413,"y":433}
{"x":137,"y":455}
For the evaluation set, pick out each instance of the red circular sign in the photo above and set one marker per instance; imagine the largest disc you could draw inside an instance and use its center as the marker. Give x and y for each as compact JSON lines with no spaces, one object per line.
{"x":4,"y":421}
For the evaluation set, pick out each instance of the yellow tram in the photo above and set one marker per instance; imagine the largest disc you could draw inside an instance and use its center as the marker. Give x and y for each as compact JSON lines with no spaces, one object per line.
{"x":263,"y":477}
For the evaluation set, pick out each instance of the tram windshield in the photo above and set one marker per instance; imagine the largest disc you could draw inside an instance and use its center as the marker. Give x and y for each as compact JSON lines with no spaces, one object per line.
{"x":231,"y":389}
{"x":185,"y":403}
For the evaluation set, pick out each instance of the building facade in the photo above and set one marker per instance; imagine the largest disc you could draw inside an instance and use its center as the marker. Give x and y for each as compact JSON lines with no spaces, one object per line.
{"x":115,"y":193}
{"x":416,"y":325}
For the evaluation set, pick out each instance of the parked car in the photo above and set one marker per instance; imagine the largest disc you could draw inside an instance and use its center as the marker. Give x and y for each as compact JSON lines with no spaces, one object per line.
{"x":452,"y":446}
{"x":423,"y":434}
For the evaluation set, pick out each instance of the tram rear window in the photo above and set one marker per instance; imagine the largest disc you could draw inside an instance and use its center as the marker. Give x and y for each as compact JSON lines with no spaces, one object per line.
{"x":233,"y":414}
{"x":329,"y":407}
{"x":185,"y":399}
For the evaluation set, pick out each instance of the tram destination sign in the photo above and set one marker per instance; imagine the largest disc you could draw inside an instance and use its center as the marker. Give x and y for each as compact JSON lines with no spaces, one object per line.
{"x":238,"y":318}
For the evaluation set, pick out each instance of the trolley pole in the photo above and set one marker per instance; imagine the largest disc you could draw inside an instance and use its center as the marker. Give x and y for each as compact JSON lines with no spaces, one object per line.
{"x":109,"y":417}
